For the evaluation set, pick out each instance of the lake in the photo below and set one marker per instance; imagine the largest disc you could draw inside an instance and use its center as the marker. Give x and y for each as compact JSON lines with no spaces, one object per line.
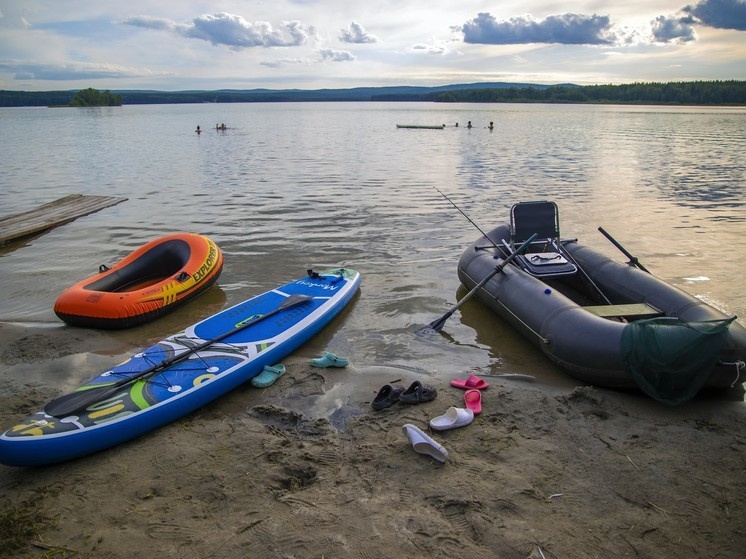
{"x":314,"y":185}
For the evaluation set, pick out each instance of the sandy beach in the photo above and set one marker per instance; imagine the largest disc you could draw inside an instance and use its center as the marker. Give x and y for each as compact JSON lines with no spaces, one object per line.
{"x":307,"y":469}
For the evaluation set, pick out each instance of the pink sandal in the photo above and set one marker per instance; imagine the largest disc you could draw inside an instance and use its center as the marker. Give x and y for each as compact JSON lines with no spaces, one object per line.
{"x":472,"y":382}
{"x":473,"y":400}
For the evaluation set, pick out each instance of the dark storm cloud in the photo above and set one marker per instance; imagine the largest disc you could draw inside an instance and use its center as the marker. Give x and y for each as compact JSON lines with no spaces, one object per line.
{"x":569,"y":29}
{"x":231,"y":30}
{"x":721,"y":14}
{"x":672,"y":29}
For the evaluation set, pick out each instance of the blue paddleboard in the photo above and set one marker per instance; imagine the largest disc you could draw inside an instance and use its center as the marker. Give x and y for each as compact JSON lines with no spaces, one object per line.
{"x":195,"y":371}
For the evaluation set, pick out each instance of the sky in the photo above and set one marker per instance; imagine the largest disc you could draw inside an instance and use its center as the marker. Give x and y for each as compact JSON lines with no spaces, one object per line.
{"x":173,"y":45}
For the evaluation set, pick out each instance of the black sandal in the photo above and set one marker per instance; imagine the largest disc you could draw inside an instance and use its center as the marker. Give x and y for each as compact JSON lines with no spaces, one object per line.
{"x":387,"y":396}
{"x":418,"y":393}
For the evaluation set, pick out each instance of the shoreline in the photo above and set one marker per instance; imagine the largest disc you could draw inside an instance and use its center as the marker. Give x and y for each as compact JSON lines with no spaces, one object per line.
{"x":657,"y":94}
{"x":306,"y":468}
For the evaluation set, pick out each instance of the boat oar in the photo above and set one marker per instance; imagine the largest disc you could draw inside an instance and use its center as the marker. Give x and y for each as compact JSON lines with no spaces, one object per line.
{"x":585,"y":275}
{"x":437,"y":325}
{"x":632,"y":259}
{"x":81,"y":399}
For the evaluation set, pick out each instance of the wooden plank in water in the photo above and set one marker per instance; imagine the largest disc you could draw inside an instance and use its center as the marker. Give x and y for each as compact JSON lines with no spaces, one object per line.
{"x":422,"y":126}
{"x":52,"y":214}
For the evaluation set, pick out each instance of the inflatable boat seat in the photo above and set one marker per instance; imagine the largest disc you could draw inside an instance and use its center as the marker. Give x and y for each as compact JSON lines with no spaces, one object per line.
{"x":527,"y":218}
{"x":542,"y":259}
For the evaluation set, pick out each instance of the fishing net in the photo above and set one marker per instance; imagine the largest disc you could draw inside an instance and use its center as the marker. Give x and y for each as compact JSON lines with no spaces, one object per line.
{"x":672,"y":359}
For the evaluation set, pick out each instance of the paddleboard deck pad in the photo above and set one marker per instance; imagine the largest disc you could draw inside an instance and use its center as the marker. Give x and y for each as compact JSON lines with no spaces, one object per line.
{"x":178,"y":389}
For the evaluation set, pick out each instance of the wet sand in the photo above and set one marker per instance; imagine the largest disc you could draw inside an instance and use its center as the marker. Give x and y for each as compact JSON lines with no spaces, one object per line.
{"x":306,"y":468}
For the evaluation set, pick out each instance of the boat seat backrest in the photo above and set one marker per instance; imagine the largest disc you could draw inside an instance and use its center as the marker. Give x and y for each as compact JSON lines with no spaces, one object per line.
{"x":545,"y":257}
{"x":527,"y":218}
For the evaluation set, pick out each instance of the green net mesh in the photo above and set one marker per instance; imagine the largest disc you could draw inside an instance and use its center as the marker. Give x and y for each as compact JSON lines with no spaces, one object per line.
{"x":671,"y":359}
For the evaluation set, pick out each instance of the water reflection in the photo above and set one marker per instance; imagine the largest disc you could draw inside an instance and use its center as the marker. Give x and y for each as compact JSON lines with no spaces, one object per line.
{"x":289,"y":186}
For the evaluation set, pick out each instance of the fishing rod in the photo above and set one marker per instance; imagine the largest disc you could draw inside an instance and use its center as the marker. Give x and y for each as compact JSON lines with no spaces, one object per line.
{"x":467,"y":217}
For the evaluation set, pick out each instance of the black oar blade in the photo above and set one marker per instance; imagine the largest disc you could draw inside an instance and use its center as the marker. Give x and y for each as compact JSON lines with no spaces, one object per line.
{"x":294,"y":300}
{"x":437,"y":325}
{"x":68,"y":404}
{"x":433,"y":328}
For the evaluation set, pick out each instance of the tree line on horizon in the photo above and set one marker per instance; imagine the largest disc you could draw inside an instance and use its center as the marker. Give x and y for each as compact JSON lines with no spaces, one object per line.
{"x":727,"y":93}
{"x":673,"y":93}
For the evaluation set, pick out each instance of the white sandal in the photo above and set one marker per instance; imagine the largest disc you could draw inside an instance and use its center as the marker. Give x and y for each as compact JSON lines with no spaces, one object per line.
{"x":423,"y":444}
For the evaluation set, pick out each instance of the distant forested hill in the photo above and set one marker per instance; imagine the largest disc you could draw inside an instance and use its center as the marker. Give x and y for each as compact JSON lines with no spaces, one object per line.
{"x":675,"y":93}
{"x":145,"y":97}
{"x":672,"y":93}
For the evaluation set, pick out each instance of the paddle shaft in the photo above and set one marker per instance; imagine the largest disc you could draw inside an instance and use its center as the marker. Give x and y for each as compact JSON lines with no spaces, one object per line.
{"x":632,"y":259}
{"x":585,"y":275}
{"x":437,"y":325}
{"x":74,"y":401}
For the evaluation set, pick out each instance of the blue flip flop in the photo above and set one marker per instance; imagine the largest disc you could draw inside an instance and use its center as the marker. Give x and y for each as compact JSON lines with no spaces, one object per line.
{"x":268,"y":376}
{"x":330,"y":360}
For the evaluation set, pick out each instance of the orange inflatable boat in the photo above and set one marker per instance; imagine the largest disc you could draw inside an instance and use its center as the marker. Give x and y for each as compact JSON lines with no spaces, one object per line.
{"x":153,"y":280}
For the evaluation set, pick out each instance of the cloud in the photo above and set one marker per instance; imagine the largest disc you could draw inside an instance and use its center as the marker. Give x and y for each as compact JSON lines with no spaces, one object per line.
{"x":327,"y":55}
{"x":721,"y":14}
{"x":283,"y":62}
{"x":148,"y":22}
{"x":569,"y":29}
{"x":71,"y":71}
{"x":332,"y":55}
{"x":430,"y":49}
{"x":673,"y":30}
{"x":231,"y":30}
{"x":354,"y":33}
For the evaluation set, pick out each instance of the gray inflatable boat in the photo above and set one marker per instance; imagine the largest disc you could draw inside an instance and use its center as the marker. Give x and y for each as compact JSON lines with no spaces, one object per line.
{"x":606,"y":323}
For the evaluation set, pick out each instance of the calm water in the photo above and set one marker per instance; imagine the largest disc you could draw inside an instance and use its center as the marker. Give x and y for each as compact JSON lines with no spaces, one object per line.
{"x":295,"y":185}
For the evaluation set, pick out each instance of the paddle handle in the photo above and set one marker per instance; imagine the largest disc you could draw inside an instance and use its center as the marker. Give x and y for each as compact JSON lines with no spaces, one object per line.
{"x":632,"y":259}
{"x":497,"y":270}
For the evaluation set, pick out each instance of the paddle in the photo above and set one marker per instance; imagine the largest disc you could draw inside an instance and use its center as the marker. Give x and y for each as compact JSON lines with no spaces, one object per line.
{"x":81,"y":399}
{"x":632,"y":259}
{"x":437,"y":325}
{"x":558,"y":246}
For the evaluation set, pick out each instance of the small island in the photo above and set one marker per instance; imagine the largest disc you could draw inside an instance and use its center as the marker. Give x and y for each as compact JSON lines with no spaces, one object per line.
{"x":94,"y":98}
